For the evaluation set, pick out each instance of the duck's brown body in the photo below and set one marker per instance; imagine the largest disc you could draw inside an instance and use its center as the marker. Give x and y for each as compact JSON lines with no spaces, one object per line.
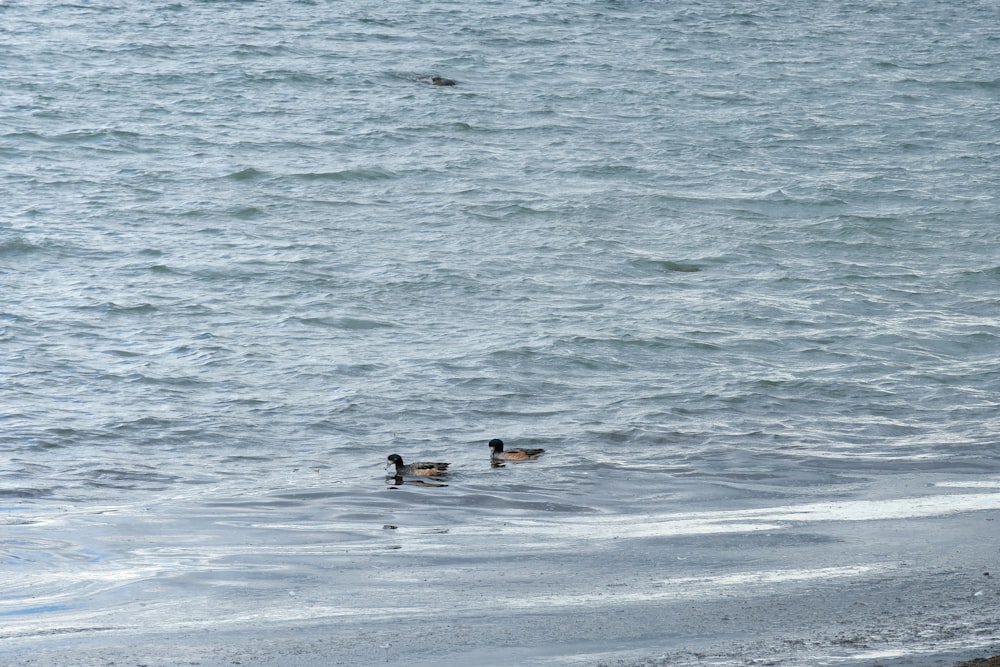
{"x":517,"y":454}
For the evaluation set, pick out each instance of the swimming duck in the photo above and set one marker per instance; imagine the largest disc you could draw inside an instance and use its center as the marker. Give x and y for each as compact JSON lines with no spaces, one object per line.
{"x":439,"y":81}
{"x":421,"y":468}
{"x":498,"y":454}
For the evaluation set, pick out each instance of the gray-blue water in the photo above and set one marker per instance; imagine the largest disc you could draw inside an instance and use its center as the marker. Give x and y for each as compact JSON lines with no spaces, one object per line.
{"x":735,"y":266}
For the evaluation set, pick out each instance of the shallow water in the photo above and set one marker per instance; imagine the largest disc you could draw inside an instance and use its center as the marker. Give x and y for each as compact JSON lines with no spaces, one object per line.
{"x":735,"y":267}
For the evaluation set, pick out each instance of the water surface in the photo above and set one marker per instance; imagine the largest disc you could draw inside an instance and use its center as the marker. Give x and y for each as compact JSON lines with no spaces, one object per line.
{"x":734,"y":266}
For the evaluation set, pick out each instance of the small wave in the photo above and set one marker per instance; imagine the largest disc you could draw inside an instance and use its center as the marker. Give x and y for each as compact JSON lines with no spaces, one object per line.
{"x":18,"y":246}
{"x":118,"y":478}
{"x":988,"y":85}
{"x":19,"y":136}
{"x":248,"y":174}
{"x":111,"y":138}
{"x":349,"y":323}
{"x":286,"y":76}
{"x":39,"y":550}
{"x":247,"y":213}
{"x":43,"y":609}
{"x":112,"y":308}
{"x":666,"y":265}
{"x":993,"y":272}
{"x":373,"y":174}
{"x":614,"y":170}
{"x":161,"y":268}
{"x":499,"y":502}
{"x":24,"y":492}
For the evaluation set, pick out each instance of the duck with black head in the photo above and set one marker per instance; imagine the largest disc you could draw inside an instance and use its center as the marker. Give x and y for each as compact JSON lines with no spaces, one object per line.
{"x":498,"y":453}
{"x":423,"y":468}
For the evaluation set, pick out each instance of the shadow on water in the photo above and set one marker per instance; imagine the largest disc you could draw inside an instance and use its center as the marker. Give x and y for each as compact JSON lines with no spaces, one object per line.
{"x":396,"y":481}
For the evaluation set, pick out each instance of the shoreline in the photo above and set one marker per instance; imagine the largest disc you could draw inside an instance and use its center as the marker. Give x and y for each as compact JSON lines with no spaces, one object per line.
{"x":297,"y":649}
{"x":849,"y":582}
{"x":981,"y":662}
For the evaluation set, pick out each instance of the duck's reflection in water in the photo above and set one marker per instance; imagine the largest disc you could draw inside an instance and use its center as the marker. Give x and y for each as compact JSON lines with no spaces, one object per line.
{"x":396,"y":481}
{"x":502,"y":463}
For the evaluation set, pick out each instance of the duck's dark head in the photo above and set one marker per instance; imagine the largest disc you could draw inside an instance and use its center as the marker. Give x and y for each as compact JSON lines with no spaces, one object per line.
{"x":496,"y":444}
{"x":395,"y":458}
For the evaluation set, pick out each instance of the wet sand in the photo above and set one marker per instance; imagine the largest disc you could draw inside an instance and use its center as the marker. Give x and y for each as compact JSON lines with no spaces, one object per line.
{"x":840,"y":584}
{"x":982,"y":662}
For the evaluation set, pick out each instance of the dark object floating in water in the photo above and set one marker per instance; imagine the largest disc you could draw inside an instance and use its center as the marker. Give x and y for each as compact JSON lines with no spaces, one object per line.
{"x":421,"y":468}
{"x":439,"y":81}
{"x":498,"y":453}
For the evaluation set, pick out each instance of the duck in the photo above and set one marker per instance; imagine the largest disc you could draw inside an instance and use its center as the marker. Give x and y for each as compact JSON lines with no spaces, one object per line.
{"x":498,"y":454}
{"x":440,"y":81}
{"x":423,"y":468}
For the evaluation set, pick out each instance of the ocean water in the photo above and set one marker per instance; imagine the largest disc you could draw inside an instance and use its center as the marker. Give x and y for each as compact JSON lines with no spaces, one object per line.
{"x":734,"y":265}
